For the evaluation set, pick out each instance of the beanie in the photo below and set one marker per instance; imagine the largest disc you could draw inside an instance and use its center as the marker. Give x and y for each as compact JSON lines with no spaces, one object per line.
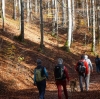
{"x":39,"y":61}
{"x":60,"y":61}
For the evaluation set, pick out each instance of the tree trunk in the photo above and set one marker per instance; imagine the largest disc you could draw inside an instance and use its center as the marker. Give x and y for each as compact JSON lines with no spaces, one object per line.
{"x":73,"y":18}
{"x":22,"y":21}
{"x":3,"y":14}
{"x":14,"y":9}
{"x":93,"y":42}
{"x":70,"y":24}
{"x":28,"y":11}
{"x":19,"y":5}
{"x":87,"y":13}
{"x":41,"y":26}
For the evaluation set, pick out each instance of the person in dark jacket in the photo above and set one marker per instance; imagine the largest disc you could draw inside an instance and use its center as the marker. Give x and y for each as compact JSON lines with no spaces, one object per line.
{"x":40,"y":75}
{"x":82,"y":76}
{"x":97,"y":63}
{"x":63,"y":81}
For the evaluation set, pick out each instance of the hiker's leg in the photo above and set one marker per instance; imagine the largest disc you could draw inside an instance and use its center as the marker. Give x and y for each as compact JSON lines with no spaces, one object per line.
{"x":87,"y":78}
{"x":43,"y":86}
{"x":58,"y":83}
{"x":39,"y":88}
{"x":81,"y":82}
{"x":97,"y":68}
{"x":65,"y":89}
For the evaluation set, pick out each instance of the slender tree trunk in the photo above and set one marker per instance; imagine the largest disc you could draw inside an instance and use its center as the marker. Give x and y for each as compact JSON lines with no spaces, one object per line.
{"x":14,"y":9}
{"x":98,"y":21}
{"x":19,"y":15}
{"x":53,"y":23}
{"x":55,"y":17}
{"x":36,"y":8}
{"x":90,"y":14}
{"x":87,"y":13}
{"x":41,"y":26}
{"x":28,"y":11}
{"x":31,"y":16}
{"x":73,"y":18}
{"x":64,"y":12}
{"x":70,"y":24}
{"x":3,"y":14}
{"x":93,"y":43}
{"x":22,"y":21}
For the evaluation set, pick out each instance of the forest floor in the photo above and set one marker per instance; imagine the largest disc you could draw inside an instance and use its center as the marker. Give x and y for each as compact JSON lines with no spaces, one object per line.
{"x":18,"y":60}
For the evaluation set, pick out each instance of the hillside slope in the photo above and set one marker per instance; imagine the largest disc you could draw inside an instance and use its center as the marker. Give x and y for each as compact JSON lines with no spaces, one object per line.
{"x":18,"y":60}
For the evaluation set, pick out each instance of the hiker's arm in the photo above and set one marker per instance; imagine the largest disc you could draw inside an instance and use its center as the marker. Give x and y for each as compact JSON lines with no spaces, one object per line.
{"x":34,"y":79}
{"x":46,"y":73}
{"x":91,"y":67}
{"x":66,"y":72}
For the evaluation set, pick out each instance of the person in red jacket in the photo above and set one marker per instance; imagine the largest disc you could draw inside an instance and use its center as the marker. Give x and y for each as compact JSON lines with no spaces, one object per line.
{"x":82,"y":76}
{"x":63,"y":80}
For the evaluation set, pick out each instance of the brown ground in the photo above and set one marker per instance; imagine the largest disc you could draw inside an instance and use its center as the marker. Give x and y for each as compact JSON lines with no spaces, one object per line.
{"x":18,"y":60}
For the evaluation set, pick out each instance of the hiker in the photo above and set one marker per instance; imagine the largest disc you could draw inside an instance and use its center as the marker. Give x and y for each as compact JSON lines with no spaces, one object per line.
{"x":82,"y":70}
{"x":90,"y":69}
{"x":40,"y":75}
{"x":97,"y":62}
{"x":61,"y":74}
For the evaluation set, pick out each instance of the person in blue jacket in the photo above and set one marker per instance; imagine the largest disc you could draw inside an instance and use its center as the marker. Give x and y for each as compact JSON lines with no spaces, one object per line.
{"x":40,"y":76}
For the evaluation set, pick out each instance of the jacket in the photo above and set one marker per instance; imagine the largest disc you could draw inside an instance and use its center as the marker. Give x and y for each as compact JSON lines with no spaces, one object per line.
{"x":89,"y":62}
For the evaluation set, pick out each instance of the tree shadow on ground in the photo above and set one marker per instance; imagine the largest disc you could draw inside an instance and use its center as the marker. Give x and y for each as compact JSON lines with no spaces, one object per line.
{"x":29,"y":50}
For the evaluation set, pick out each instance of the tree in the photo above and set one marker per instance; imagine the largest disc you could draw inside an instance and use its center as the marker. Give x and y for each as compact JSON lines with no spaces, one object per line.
{"x":68,"y":43}
{"x":14,"y":9}
{"x":28,"y":11}
{"x":64,"y":12}
{"x":3,"y":14}
{"x":41,"y":26}
{"x":87,"y":7}
{"x":21,"y":36}
{"x":73,"y":18}
{"x":93,"y":34}
{"x":36,"y":6}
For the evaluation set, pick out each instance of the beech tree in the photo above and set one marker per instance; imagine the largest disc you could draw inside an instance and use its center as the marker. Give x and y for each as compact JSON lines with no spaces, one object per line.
{"x":21,"y":36}
{"x":14,"y":9}
{"x":93,"y":34}
{"x":28,"y":10}
{"x":3,"y":13}
{"x":41,"y":27}
{"x":68,"y":43}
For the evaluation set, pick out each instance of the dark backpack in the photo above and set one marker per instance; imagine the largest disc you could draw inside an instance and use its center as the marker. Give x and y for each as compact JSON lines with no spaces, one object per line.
{"x":59,"y":72}
{"x":81,"y":68}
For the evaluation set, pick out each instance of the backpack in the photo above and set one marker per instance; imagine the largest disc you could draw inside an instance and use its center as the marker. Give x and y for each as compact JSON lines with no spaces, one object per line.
{"x":39,"y":74}
{"x":81,"y":68}
{"x":59,"y":72}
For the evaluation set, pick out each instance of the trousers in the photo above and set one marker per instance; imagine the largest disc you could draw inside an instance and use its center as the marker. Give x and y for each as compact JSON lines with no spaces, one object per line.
{"x":41,"y":88}
{"x":62,"y":83}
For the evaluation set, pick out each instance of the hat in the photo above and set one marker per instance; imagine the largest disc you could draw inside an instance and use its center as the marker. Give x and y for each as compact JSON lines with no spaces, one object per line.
{"x":39,"y":61}
{"x":86,"y":57}
{"x":60,"y":60}
{"x":83,"y":57}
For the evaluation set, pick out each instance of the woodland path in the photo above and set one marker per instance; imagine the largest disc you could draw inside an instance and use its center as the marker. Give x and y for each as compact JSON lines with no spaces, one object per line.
{"x":30,"y":49}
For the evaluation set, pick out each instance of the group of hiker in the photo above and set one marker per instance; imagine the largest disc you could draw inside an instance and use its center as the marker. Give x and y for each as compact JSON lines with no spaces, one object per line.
{"x":83,"y":68}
